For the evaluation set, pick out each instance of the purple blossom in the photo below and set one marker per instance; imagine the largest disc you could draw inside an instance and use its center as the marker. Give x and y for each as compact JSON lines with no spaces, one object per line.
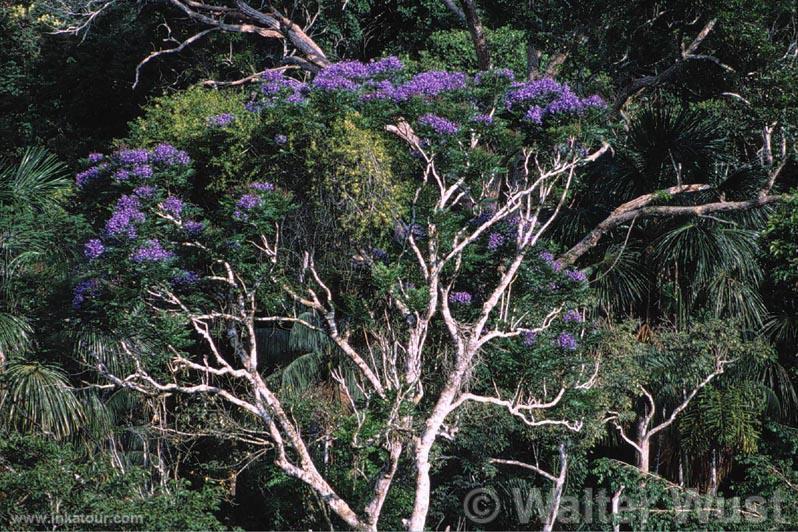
{"x":274,"y":84}
{"x":573,"y":316}
{"x":142,"y":170}
{"x":334,"y":83}
{"x":439,"y":124}
{"x":185,"y":278}
{"x":577,"y":276}
{"x":532,"y":90}
{"x":460,"y":298}
{"x":221,"y":120}
{"x":84,"y":289}
{"x":169,"y":155}
{"x":125,"y":215}
{"x":248,"y":201}
{"x":145,"y":191}
{"x":530,"y":337}
{"x":121,"y":175}
{"x":352,"y":75}
{"x":495,"y":241}
{"x":547,"y":97}
{"x":430,"y":84}
{"x":133,"y":156}
{"x":151,"y":251}
{"x":87,"y":175}
{"x":566,"y":341}
{"x":263,"y":186}
{"x":240,"y":215}
{"x":594,"y":101}
{"x":498,"y":73}
{"x":548,"y":258}
{"x":280,"y":139}
{"x":534,"y":115}
{"x":173,"y":205}
{"x":193,"y":227}
{"x":95,"y":157}
{"x":482,"y":119}
{"x":93,"y":248}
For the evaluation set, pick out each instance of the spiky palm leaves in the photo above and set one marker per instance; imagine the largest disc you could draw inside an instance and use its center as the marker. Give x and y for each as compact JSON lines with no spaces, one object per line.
{"x":34,"y":186}
{"x":37,"y":398}
{"x":669,"y":269}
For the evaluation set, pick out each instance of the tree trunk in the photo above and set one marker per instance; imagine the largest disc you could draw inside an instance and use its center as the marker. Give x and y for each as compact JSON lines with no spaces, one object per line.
{"x":643,"y":455}
{"x":477,"y":34}
{"x":556,"y":496}
{"x":422,"y":451}
{"x":616,"y":507}
{"x":713,"y":474}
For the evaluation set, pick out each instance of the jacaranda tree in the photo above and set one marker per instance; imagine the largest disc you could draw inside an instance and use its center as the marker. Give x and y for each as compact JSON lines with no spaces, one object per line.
{"x":442,"y":293}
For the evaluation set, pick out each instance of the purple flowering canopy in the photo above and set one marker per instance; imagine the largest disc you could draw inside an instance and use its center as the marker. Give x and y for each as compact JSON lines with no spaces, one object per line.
{"x":462,"y":268}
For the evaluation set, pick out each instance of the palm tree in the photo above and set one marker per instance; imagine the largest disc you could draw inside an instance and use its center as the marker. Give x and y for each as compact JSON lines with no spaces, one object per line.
{"x":35,"y":396}
{"x":29,"y":191}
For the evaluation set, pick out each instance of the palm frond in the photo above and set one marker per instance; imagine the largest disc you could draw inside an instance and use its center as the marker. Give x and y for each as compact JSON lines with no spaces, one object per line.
{"x":37,"y":398}
{"x":38,"y":180}
{"x":15,"y":334}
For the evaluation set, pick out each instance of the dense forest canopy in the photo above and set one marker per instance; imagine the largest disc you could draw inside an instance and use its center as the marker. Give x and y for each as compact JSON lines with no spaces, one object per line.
{"x":415,"y":264}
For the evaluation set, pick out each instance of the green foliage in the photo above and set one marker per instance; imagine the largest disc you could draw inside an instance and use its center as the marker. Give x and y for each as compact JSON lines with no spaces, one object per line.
{"x":356,"y":184}
{"x":44,"y":481}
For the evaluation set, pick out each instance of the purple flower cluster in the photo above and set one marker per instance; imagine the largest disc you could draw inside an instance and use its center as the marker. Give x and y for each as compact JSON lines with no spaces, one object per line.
{"x":193,"y":227}
{"x":144,"y":191}
{"x":87,"y":175}
{"x":172,"y":205}
{"x":245,"y":203}
{"x":484,"y":119}
{"x":126,"y":213}
{"x":439,"y":124}
{"x":133,"y":156}
{"x":169,"y":155}
{"x":280,"y":139}
{"x":248,"y":202}
{"x":121,"y":175}
{"x":93,"y":248}
{"x":275,"y":86}
{"x":573,"y":316}
{"x":566,"y":341}
{"x":425,"y":84}
{"x":142,"y":170}
{"x":221,"y":120}
{"x":263,"y":186}
{"x":460,"y":298}
{"x":545,"y":97}
{"x":530,"y":337}
{"x":84,"y":289}
{"x":151,"y":251}
{"x":576,"y":276}
{"x":185,"y":278}
{"x":548,"y":258}
{"x":350,"y":75}
{"x":495,"y":241}
{"x":126,"y":163}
